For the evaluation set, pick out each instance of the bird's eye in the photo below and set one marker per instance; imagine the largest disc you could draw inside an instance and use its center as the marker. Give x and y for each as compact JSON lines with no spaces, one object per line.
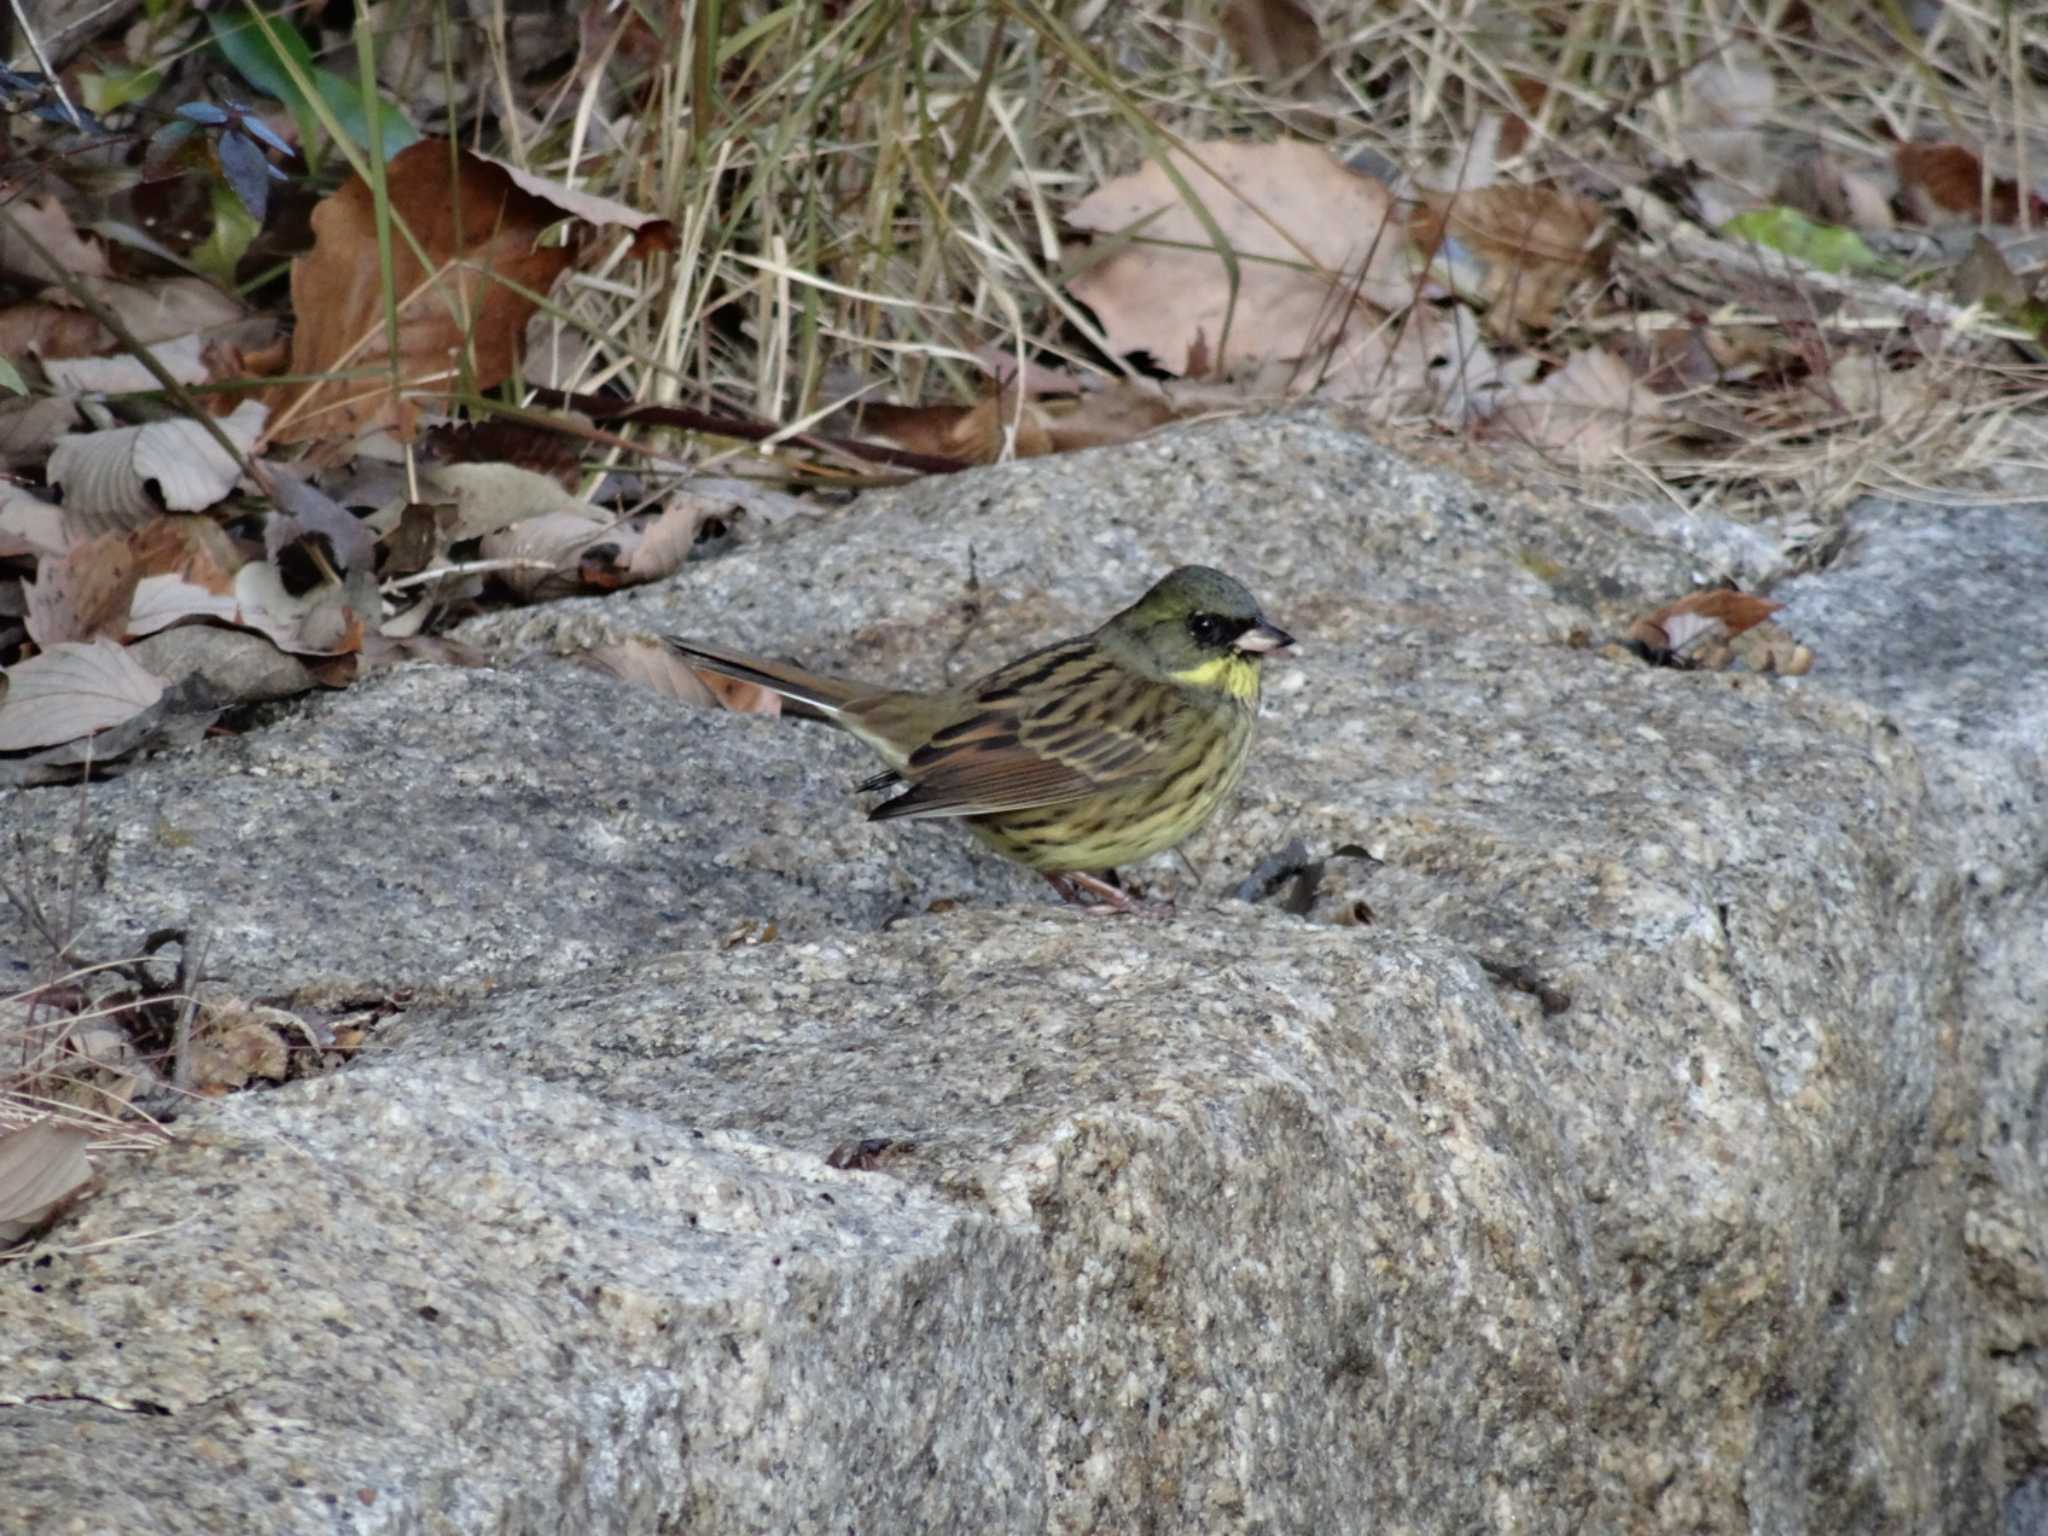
{"x":1208,"y":629}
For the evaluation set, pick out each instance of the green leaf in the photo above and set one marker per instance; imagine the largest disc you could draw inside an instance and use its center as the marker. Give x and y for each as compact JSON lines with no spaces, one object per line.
{"x":234,"y":230}
{"x":1829,"y":247}
{"x":260,"y":59}
{"x":11,"y":379}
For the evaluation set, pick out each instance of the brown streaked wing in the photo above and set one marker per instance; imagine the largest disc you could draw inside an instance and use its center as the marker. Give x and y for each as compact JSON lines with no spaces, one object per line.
{"x":996,"y":757}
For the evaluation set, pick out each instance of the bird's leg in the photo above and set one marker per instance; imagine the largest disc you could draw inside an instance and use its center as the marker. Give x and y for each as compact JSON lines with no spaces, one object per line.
{"x":1108,"y":897}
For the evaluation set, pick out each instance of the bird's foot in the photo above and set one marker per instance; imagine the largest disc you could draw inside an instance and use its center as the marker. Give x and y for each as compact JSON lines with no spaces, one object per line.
{"x":1093,"y":894}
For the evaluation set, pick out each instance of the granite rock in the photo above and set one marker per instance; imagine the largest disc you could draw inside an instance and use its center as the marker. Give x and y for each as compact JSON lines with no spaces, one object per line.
{"x":1579,"y":1140}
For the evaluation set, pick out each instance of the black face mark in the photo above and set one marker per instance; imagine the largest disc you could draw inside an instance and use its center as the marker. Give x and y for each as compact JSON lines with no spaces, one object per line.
{"x":1214,"y":632}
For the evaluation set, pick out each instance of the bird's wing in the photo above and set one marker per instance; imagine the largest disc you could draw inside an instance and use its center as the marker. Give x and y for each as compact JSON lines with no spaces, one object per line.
{"x":1009,"y":754}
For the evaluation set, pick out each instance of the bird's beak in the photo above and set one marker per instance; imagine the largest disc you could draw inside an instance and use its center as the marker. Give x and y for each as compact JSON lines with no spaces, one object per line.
{"x":1263,"y":637}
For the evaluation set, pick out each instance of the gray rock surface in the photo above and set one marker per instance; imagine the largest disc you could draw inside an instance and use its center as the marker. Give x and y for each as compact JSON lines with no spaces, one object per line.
{"x":1937,"y":617}
{"x":1591,"y":1154}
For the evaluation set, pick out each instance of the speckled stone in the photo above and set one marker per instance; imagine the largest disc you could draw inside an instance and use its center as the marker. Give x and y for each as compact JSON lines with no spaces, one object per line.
{"x":1588,"y":1154}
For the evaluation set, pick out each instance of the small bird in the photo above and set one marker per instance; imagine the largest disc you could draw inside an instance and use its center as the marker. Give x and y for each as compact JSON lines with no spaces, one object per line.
{"x":1090,"y":753}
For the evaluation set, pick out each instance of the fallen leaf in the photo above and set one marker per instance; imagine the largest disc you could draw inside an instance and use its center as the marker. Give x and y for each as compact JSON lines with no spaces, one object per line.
{"x":41,"y":1167}
{"x":552,"y":545}
{"x":29,"y":427}
{"x":460,"y":317}
{"x":1592,"y":407}
{"x":125,"y":475}
{"x":1825,"y":247}
{"x":1948,"y":183}
{"x":1279,"y":41}
{"x":83,"y":593}
{"x":669,"y":539}
{"x":1516,"y":251}
{"x":70,"y":691}
{"x":125,"y":372}
{"x":31,"y":526}
{"x":1315,"y":244}
{"x":1669,"y":635}
{"x":231,"y":1049}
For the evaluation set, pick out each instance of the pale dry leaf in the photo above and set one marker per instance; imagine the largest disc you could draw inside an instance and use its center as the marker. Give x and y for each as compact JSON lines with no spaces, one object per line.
{"x":1394,"y":367}
{"x":45,"y":222}
{"x":28,"y":427}
{"x":318,"y":622}
{"x":491,"y":497}
{"x":573,"y":202}
{"x":648,"y":664}
{"x":667,"y":542}
{"x":161,"y":601}
{"x":71,"y":691}
{"x":83,"y":593}
{"x":1593,"y":407}
{"x":552,"y":543}
{"x":125,"y":372}
{"x":1313,"y":239}
{"x":651,"y":664}
{"x":129,"y":474}
{"x":31,"y":526}
{"x":41,"y":1166}
{"x":169,"y":307}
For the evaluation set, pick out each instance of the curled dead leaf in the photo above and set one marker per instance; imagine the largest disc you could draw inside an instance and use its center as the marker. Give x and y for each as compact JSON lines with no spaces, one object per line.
{"x":1685,"y":632}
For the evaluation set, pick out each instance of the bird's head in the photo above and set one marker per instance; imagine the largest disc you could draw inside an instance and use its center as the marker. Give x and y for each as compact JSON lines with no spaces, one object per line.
{"x":1199,"y":628}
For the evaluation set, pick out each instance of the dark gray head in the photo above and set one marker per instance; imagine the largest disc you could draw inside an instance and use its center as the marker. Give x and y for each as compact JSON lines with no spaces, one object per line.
{"x":1192,"y":618}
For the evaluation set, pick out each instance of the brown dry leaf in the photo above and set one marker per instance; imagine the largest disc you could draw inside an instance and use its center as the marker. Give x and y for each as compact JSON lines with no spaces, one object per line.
{"x":72,"y":690}
{"x":1279,"y":41}
{"x":1313,"y":239}
{"x":83,"y":593}
{"x":1948,"y":183}
{"x":459,"y":318}
{"x":1531,"y":246}
{"x":38,"y":329}
{"x":195,"y":548}
{"x":42,"y":1166}
{"x":1592,"y":407}
{"x":122,"y":585}
{"x":1697,"y":621}
{"x":971,"y":434}
{"x":234,"y":1046}
{"x":1125,"y":411}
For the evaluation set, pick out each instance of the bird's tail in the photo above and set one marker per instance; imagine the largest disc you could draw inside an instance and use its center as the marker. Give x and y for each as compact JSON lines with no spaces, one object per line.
{"x":813,"y":697}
